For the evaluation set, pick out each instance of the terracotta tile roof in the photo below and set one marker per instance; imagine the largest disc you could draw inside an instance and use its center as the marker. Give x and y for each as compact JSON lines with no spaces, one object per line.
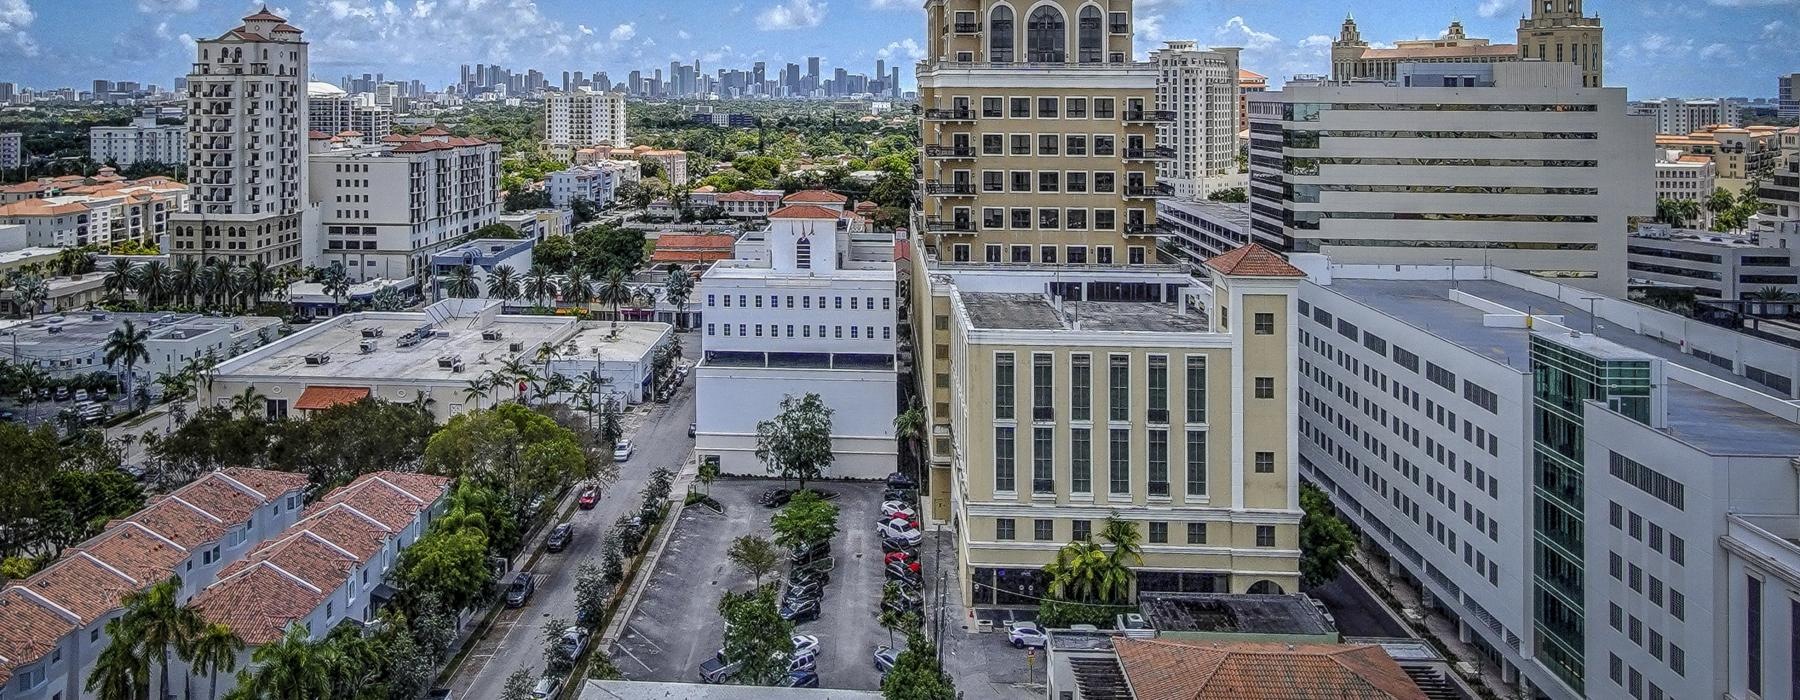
{"x":220,"y":498}
{"x":747,"y":196}
{"x":684,"y":248}
{"x":346,"y":527}
{"x":1250,"y":76}
{"x":267,"y":482}
{"x":816,"y":197}
{"x":265,"y":15}
{"x":308,"y":556}
{"x":1253,"y":260}
{"x":318,"y":398}
{"x":424,"y":487}
{"x":180,"y":522}
{"x":258,"y":603}
{"x":384,"y":502}
{"x":804,"y":211}
{"x":32,"y":629}
{"x":136,"y":551}
{"x":1418,"y":52}
{"x":83,"y":586}
{"x":40,"y":207}
{"x":1162,"y":669}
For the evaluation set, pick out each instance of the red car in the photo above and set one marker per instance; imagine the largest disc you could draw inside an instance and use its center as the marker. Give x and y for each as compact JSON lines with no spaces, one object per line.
{"x":893,"y":557}
{"x":588,"y":498}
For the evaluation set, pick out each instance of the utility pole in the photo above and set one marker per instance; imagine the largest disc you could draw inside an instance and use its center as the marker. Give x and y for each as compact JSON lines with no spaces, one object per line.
{"x":1453,"y":262}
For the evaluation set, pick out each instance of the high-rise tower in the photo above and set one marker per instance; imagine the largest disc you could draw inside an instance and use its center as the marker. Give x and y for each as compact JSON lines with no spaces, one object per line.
{"x":1558,"y":31}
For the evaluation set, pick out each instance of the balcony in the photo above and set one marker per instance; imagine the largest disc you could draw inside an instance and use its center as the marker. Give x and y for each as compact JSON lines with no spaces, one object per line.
{"x":1156,"y":191}
{"x":1141,"y":116}
{"x":1157,"y":153}
{"x":949,"y":189}
{"x":959,"y":114}
{"x":1135,"y":228}
{"x":959,"y":152}
{"x":967,"y":28}
{"x":937,"y":225}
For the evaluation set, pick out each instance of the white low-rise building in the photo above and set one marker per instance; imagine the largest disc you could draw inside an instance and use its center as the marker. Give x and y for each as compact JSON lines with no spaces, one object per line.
{"x":143,"y":140}
{"x":74,"y":343}
{"x":540,"y":224}
{"x":1686,"y":178}
{"x":805,"y":307}
{"x":595,"y":182}
{"x":1716,"y":265}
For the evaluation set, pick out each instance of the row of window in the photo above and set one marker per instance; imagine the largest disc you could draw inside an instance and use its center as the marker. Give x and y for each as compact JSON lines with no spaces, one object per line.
{"x":745,"y":301}
{"x":1074,"y":254}
{"x":1119,"y":386}
{"x":1119,"y":461}
{"x":745,"y":330}
{"x":1157,"y":532}
{"x":1067,"y":181}
{"x":1044,"y":107}
{"x":1049,"y":144}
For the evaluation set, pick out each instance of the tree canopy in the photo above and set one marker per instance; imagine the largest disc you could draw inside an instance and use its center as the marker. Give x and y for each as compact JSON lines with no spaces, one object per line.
{"x":796,"y":443}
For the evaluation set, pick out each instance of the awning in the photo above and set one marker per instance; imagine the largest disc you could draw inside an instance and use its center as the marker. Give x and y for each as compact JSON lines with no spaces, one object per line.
{"x":319,"y":398}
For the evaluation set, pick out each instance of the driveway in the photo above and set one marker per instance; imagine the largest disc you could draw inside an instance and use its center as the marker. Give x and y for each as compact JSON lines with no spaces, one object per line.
{"x":676,"y":625}
{"x":516,"y":639}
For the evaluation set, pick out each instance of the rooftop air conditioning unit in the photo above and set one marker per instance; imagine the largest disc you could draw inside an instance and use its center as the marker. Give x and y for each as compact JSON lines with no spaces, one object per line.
{"x":490,"y":335}
{"x":516,"y":347}
{"x":446,"y":361}
{"x":372,"y":332}
{"x":99,"y":316}
{"x":54,"y":329}
{"x":318,"y":358}
{"x":368,"y":347}
{"x":456,"y":365}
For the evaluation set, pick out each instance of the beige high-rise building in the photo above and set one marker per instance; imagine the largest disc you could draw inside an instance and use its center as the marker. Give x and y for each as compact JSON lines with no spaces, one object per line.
{"x":1039,"y":134}
{"x":583,"y":119}
{"x":1200,"y":146}
{"x":246,"y":147}
{"x":1558,"y":31}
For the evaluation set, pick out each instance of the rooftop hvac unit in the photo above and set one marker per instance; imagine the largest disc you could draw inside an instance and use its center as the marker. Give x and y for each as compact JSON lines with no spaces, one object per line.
{"x":99,"y":316}
{"x":372,"y":332}
{"x":319,"y":358}
{"x":440,"y":333}
{"x":456,"y":365}
{"x":448,"y":361}
{"x":516,"y":347}
{"x":490,"y":335}
{"x":368,"y":347}
{"x":54,"y":329}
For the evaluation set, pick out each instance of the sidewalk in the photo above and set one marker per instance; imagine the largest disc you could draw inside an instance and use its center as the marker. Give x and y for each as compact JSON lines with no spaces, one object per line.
{"x":1435,"y":626}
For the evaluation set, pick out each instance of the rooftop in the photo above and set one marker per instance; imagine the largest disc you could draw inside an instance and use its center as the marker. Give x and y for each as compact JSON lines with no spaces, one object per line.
{"x":1036,"y":312}
{"x":651,"y":690}
{"x":1294,"y":614}
{"x":627,"y":342}
{"x":50,"y":337}
{"x":447,"y":336}
{"x":1166,"y":669}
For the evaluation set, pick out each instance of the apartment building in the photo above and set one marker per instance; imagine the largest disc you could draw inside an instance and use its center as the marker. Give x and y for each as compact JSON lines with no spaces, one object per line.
{"x":143,"y":140}
{"x":1039,"y":134}
{"x":805,"y":305}
{"x":1739,"y":154}
{"x":673,"y":163}
{"x":330,"y":110}
{"x":12,"y":150}
{"x":1780,"y":193}
{"x":1074,"y":396}
{"x":583,"y":119}
{"x":1715,"y":265}
{"x":327,"y":569}
{"x":102,"y":211}
{"x":247,"y":106}
{"x":1248,"y":82}
{"x":1504,"y":168}
{"x":53,"y":623}
{"x":385,"y":208}
{"x":1674,"y":115}
{"x":1424,"y":392}
{"x":750,"y":204}
{"x":596,"y":182}
{"x":1787,"y":95}
{"x":1682,"y":177}
{"x":1200,"y":146}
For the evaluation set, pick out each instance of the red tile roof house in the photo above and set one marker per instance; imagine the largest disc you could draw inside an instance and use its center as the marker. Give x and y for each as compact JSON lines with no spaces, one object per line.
{"x":324,"y":569}
{"x":52,"y":624}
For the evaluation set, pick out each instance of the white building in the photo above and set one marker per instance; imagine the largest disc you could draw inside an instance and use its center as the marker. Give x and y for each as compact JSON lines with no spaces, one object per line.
{"x":1509,"y":169}
{"x":1678,"y":116}
{"x":596,"y":182}
{"x":1201,"y":87}
{"x":332,"y":111}
{"x":482,"y":256}
{"x":583,"y":118}
{"x":540,"y":223}
{"x":805,"y":307}
{"x":12,"y":150}
{"x":98,"y":214}
{"x":246,"y":100}
{"x":53,"y":624}
{"x":384,"y":209}
{"x":1418,"y":417}
{"x":141,"y":141}
{"x":1689,"y":178}
{"x":1196,"y":231}
{"x":1715,"y":265}
{"x":750,"y":204}
{"x":674,"y":165}
{"x":75,"y":343}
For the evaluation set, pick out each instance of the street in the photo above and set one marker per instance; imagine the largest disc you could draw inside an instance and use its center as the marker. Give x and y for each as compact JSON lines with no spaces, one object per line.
{"x":516,"y":638}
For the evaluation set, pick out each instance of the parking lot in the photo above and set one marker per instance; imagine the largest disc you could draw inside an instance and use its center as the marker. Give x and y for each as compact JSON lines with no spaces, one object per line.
{"x":676,"y":624}
{"x":982,"y":663}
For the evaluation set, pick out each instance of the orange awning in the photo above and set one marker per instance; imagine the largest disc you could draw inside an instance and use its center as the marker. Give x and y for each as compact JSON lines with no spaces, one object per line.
{"x":319,"y":398}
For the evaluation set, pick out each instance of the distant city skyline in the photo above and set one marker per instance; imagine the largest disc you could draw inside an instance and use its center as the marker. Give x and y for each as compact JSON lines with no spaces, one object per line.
{"x":1657,"y":48}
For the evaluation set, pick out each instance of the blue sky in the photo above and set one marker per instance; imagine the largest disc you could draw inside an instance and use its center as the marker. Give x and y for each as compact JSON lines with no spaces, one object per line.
{"x":1655,"y":47}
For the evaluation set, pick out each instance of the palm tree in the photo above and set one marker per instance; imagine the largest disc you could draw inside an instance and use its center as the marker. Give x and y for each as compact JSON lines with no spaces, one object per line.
{"x":121,"y":277}
{"x":258,"y":280}
{"x":476,"y":390}
{"x":213,"y":281}
{"x":539,"y":284}
{"x":153,"y":282}
{"x":1126,"y":552}
{"x":336,"y":282}
{"x":1077,"y":570}
{"x":160,"y":625}
{"x":290,"y":669}
{"x":578,"y":290}
{"x":127,"y":344}
{"x":909,"y":429}
{"x":186,"y":280}
{"x":515,"y":371}
{"x":503,"y":283}
{"x":119,"y":672}
{"x":461,"y":283}
{"x":615,"y":290}
{"x":215,"y":650}
{"x":249,"y":403}
{"x":679,"y":286}
{"x":30,"y":292}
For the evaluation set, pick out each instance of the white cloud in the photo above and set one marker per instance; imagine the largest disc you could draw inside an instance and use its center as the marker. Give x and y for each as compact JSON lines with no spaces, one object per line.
{"x":1493,"y":8}
{"x":162,"y":6}
{"x":1750,"y":3}
{"x":905,"y":48}
{"x":1774,"y":30}
{"x":1236,"y":32}
{"x":791,"y":14}
{"x":683,"y":35}
{"x":15,"y":24}
{"x":405,"y":33}
{"x":623,"y":32}
{"x":896,"y":5}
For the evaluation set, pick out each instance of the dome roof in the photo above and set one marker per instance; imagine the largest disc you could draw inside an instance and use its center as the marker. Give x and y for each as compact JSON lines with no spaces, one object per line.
{"x":318,"y":89}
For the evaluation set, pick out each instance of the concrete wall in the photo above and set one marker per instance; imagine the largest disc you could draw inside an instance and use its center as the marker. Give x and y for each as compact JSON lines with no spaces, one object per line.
{"x":732,"y":400}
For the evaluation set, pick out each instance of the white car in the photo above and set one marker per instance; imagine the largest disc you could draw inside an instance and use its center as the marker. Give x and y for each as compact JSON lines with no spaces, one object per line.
{"x":805,"y":645}
{"x":574,"y":641}
{"x":899,"y":530}
{"x":1025,"y":634}
{"x":623,"y":450}
{"x":547,"y":687}
{"x":896,"y":509}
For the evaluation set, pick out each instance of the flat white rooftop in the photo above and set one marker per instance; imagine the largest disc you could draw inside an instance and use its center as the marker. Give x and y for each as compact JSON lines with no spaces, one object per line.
{"x":341,"y":338}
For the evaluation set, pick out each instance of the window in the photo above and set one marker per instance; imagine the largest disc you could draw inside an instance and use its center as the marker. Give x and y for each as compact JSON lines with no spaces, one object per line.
{"x":1480,"y":396}
{"x":1021,"y":253}
{"x":1081,"y":460}
{"x":1118,"y":386}
{"x":1440,"y":376}
{"x":1196,"y":463}
{"x":1265,"y":387}
{"x":1119,"y":469}
{"x":1159,"y":388}
{"x":1003,"y":386}
{"x":1159,"y":533}
{"x":1046,"y":36}
{"x":1021,"y":108}
{"x":1048,"y":107}
{"x":1043,"y":529}
{"x":1158,"y":463}
{"x":1090,"y":46}
{"x":1050,"y":181}
{"x":1043,"y":461}
{"x":1021,"y":219}
{"x":1000,"y":36}
{"x":1103,"y":109}
{"x":1004,"y":458}
{"x":1003,"y":528}
{"x":1196,"y":389}
{"x":1081,"y":530}
{"x":1753,"y":630}
{"x":1021,"y":146}
{"x":1265,"y":324}
{"x":1265,"y":463}
{"x":1265,"y":535}
{"x":993,"y":181}
{"x":991,"y":107}
{"x":1196,"y":533}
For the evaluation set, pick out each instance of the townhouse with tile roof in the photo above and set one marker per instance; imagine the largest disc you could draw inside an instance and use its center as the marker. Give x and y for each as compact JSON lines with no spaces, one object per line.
{"x":328,"y":568}
{"x":52,"y":624}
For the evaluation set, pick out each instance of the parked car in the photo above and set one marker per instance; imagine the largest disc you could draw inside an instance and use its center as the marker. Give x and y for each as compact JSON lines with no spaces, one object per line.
{"x":800,"y":679}
{"x":885,"y":656}
{"x":797,"y":664}
{"x":900,"y":495}
{"x":574,"y":641}
{"x":904,"y":579}
{"x":892,"y":557}
{"x":520,"y":589}
{"x":801,"y":577}
{"x":559,"y":537}
{"x":100,"y":394}
{"x":901,"y":531}
{"x":440,"y":694}
{"x":547,"y":687}
{"x":902,"y":569}
{"x":799,"y":611}
{"x":691,"y":427}
{"x":62,"y":393}
{"x":808,"y":552}
{"x":810,"y":588}
{"x":805,"y":645}
{"x":588,"y":499}
{"x":717,"y":670}
{"x":898,"y":480}
{"x":890,"y":545}
{"x":1025,"y":633}
{"x":908,"y":600}
{"x":622,"y":451}
{"x":81,"y":394}
{"x":817,"y":567}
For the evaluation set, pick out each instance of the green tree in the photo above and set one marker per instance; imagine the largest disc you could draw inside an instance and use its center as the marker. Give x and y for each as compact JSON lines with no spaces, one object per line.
{"x":508,"y":447}
{"x":756,"y":638}
{"x":616,"y":290}
{"x":519,"y":685}
{"x":498,"y":232}
{"x":336,"y":445}
{"x":127,"y":344}
{"x":1324,"y":538}
{"x":452,"y":562}
{"x":336,"y":282}
{"x":604,"y":249}
{"x":120,"y":672}
{"x":754,"y":556}
{"x":591,"y":593}
{"x":796,"y":443}
{"x":806,"y":519}
{"x":78,"y":503}
{"x":540,"y":286}
{"x":214,"y":651}
{"x":554,"y":252}
{"x":679,"y":286}
{"x":293,"y":668}
{"x":555,"y":660}
{"x":917,"y":675}
{"x":159,"y":627}
{"x":583,"y":210}
{"x":1234,"y":195}
{"x":503,"y":283}
{"x":1678,"y":212}
{"x":909,"y":431}
{"x":461,"y":283}
{"x":121,"y":277}
{"x":249,"y":404}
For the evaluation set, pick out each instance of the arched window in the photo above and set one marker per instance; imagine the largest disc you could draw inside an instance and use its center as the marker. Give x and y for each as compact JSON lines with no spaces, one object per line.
{"x":803,"y":254}
{"x":1091,"y":39}
{"x":1000,"y":35}
{"x":1046,"y":39}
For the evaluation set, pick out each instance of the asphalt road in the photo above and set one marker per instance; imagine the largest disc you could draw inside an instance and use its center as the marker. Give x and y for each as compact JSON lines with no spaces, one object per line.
{"x":1358,"y":614}
{"x":516,"y":639}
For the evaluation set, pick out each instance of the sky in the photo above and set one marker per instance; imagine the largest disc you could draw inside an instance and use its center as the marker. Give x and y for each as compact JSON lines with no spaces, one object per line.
{"x":1657,"y":48}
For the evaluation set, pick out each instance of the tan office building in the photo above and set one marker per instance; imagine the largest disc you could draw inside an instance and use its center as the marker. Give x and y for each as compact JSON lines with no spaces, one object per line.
{"x":1039,"y":134}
